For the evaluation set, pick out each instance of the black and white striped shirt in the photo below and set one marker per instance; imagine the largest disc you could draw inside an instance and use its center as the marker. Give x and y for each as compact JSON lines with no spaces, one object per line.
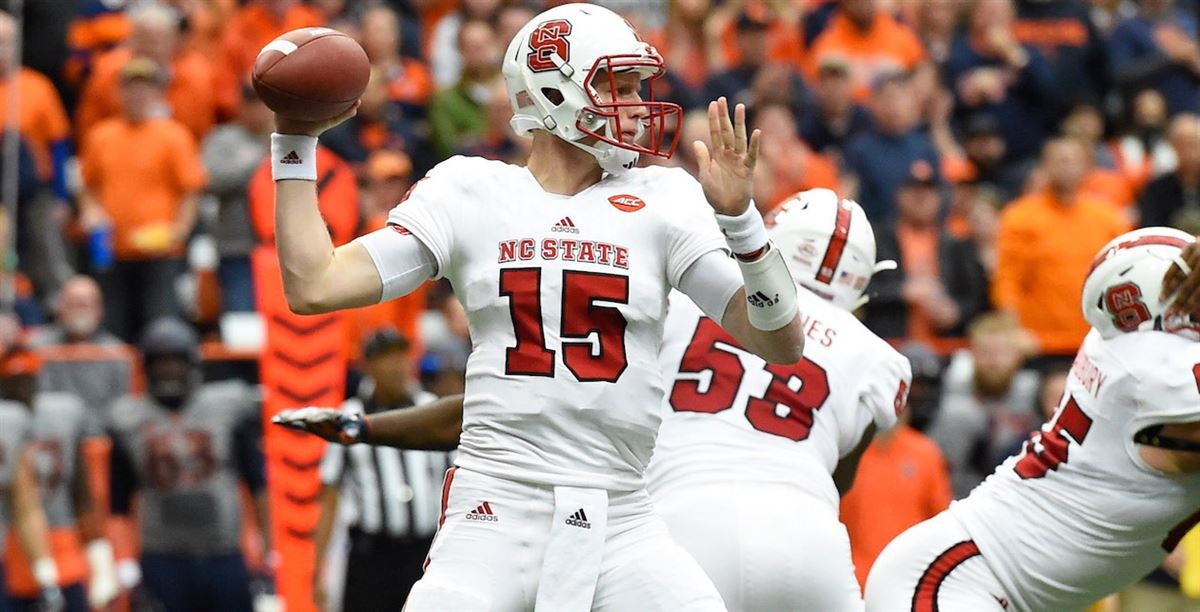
{"x":385,"y":490}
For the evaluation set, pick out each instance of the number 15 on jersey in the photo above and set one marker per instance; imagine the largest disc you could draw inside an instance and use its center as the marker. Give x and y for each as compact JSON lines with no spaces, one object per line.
{"x":601,"y":358}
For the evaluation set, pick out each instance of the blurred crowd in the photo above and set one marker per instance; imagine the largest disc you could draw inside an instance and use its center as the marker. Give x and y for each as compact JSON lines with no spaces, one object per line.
{"x":995,"y":145}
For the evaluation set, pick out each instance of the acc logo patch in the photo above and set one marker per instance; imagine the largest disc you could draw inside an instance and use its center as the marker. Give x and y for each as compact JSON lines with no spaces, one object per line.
{"x":627,"y":203}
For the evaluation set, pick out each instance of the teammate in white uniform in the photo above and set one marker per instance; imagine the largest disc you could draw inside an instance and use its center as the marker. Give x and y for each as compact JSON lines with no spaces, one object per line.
{"x":565,"y":296}
{"x":1104,"y":491}
{"x":752,"y":457}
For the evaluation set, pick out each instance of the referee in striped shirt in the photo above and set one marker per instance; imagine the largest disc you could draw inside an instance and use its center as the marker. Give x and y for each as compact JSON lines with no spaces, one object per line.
{"x":391,"y":497}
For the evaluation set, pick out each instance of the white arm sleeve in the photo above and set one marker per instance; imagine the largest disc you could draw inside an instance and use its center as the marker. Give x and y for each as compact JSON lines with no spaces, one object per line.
{"x":402,"y":260}
{"x":711,"y":281}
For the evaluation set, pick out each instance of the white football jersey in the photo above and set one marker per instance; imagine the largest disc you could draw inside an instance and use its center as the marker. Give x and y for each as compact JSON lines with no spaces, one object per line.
{"x":1077,"y":514}
{"x":565,"y":298}
{"x":732,"y":416}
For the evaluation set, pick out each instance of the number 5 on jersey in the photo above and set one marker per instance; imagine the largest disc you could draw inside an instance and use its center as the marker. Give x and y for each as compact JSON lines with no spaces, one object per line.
{"x":599,"y":359}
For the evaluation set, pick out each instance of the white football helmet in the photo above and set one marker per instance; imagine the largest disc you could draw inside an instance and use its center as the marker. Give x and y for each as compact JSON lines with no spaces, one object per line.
{"x":828,"y":245}
{"x":1121,"y":293}
{"x":549,"y":67}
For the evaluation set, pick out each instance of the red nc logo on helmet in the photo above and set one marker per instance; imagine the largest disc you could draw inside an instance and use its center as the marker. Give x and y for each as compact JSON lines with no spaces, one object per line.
{"x":627,"y":203}
{"x":548,"y":40}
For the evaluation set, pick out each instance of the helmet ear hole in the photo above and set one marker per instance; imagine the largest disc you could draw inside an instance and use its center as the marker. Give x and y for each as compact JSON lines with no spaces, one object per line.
{"x":553,"y":95}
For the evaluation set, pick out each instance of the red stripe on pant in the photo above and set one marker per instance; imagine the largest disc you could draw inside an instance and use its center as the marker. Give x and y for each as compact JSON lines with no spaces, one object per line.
{"x":925,"y":598}
{"x":441,"y":519}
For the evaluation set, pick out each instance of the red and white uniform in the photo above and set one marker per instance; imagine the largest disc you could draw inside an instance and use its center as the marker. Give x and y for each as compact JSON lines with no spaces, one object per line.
{"x":565,"y":297}
{"x":742,"y":470}
{"x":1077,"y":514}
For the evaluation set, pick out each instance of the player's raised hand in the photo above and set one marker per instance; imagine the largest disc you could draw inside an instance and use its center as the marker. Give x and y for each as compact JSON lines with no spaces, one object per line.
{"x":1186,"y":287}
{"x":326,"y":423}
{"x":284,"y":125}
{"x":727,"y":172}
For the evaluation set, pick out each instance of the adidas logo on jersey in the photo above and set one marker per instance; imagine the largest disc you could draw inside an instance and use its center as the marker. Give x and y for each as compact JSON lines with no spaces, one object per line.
{"x":483,"y":513}
{"x":565,"y":225}
{"x":579,"y":519}
{"x":291,"y":158}
{"x":760,"y":299}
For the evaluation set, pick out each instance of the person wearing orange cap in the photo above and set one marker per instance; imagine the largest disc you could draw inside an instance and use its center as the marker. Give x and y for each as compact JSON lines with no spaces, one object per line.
{"x":69,"y":504}
{"x":142,"y":176}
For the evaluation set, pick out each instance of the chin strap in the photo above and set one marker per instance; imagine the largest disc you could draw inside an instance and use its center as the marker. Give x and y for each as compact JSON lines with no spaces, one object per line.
{"x":1151,"y":436}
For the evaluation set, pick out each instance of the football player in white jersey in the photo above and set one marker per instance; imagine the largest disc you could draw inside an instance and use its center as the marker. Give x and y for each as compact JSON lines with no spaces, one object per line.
{"x":752,"y":458}
{"x":742,"y":438}
{"x":1097,"y":497}
{"x":563,"y":267}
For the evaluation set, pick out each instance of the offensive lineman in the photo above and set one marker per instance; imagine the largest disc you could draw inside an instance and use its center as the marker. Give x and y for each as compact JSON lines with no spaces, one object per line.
{"x":1106,"y":488}
{"x":744,"y":439}
{"x":727,"y":460}
{"x":563,"y":267}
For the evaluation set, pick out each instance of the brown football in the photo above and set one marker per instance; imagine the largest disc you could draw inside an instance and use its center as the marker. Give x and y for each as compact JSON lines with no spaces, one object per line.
{"x":311,"y":74}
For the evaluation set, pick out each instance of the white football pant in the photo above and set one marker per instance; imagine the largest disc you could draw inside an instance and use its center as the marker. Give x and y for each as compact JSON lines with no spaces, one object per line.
{"x":934,"y":566}
{"x":488,"y":554}
{"x":766,"y":546}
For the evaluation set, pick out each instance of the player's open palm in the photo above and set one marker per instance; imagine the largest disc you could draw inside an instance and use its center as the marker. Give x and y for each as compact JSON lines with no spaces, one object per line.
{"x":727,"y":171}
{"x":322,"y":422}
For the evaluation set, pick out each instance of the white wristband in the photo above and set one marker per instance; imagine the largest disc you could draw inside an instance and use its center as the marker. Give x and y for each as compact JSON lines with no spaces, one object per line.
{"x":770,"y":291}
{"x":293,"y":156}
{"x":744,"y":233}
{"x":45,"y":573}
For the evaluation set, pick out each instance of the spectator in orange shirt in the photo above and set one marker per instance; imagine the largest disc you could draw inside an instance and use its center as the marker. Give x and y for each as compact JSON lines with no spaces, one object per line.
{"x":870,"y":40}
{"x":156,"y":36}
{"x":142,"y":175}
{"x":42,"y":124}
{"x":1045,"y":246}
{"x":902,"y":471}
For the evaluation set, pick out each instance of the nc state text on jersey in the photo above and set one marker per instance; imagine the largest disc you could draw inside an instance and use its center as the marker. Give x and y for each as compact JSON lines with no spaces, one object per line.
{"x":566,"y":249}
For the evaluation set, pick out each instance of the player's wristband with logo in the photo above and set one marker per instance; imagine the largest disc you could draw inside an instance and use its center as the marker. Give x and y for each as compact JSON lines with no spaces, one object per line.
{"x":293,"y":156}
{"x":770,"y":291}
{"x":745,"y":233}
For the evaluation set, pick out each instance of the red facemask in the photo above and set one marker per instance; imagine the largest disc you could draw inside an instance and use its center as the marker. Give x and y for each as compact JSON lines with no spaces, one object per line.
{"x":662,"y":122}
